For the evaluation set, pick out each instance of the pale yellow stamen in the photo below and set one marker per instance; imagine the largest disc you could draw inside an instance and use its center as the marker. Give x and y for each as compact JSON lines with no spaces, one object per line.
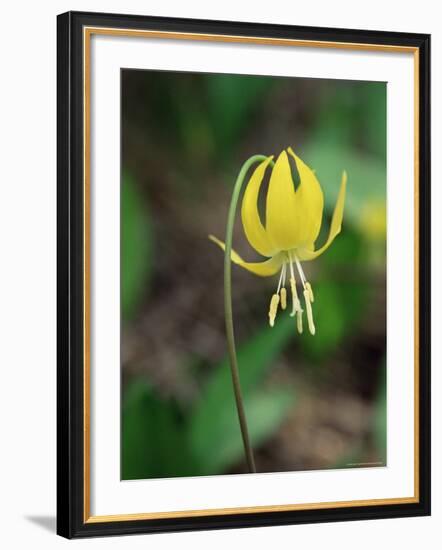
{"x":283,"y":298}
{"x":310,"y":292}
{"x":308,"y":305}
{"x":274,"y":302}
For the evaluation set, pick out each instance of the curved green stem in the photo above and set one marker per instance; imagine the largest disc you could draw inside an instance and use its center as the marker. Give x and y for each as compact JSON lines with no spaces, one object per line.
{"x":228,"y":310}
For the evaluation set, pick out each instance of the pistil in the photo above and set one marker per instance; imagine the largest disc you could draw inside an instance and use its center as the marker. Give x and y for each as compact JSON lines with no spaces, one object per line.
{"x":297,"y":309}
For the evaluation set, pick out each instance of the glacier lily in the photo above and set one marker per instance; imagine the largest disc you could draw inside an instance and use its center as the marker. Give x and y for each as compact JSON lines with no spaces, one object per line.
{"x":292,"y":224}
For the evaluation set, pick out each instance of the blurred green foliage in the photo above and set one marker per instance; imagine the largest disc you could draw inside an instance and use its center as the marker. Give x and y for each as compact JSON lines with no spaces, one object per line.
{"x":366,"y":176}
{"x":334,"y":320}
{"x":232,"y":105}
{"x":195,"y":129}
{"x":136,"y":247}
{"x":339,"y":308}
{"x":160,"y":440}
{"x":349,"y":134}
{"x":153,"y":443}
{"x":214,"y":424}
{"x":356,"y":115}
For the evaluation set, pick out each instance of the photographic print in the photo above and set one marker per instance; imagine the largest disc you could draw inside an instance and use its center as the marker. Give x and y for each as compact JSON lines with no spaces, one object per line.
{"x":281,"y":366}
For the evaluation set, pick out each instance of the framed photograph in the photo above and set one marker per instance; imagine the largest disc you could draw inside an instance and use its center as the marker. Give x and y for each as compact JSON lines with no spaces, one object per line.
{"x":243,"y":274}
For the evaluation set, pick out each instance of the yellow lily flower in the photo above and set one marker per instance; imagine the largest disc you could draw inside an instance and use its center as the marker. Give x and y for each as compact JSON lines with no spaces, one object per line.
{"x":293,"y":222}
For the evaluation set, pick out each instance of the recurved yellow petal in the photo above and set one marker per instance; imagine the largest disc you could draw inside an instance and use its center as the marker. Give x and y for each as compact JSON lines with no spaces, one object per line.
{"x":309,"y":202}
{"x":335,"y":227}
{"x":253,"y":227}
{"x":264,"y":269}
{"x":281,"y":216}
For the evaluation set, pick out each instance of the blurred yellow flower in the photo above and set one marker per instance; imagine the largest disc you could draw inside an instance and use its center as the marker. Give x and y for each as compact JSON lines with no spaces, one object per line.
{"x":293,"y":221}
{"x":373,"y":220}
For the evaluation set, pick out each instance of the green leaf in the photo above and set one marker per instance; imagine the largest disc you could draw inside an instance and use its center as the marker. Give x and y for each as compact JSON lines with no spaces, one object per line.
{"x":136,"y":247}
{"x":213,"y":424}
{"x":265,"y":411}
{"x":254,"y":358}
{"x":153,"y":441}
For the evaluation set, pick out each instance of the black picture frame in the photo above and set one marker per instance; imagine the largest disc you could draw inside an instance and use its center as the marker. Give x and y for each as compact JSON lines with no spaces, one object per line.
{"x":71,"y":519}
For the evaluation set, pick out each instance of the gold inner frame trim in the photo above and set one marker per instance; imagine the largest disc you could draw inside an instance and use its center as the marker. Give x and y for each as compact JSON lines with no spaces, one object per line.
{"x":87,"y":34}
